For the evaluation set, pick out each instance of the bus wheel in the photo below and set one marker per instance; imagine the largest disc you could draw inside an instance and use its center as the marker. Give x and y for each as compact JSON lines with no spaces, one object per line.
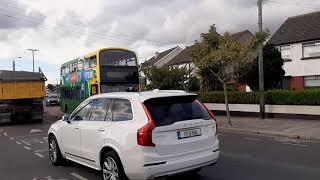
{"x":66,"y":109}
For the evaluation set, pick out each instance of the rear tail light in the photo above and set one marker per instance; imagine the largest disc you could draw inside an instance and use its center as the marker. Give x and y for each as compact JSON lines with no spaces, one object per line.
{"x":212,"y":116}
{"x":144,"y":134}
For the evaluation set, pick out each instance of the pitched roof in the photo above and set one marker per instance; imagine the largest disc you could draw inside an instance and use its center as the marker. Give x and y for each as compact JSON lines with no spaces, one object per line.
{"x":184,"y":56}
{"x":242,"y":36}
{"x":20,"y":75}
{"x":300,"y":28}
{"x":155,"y":59}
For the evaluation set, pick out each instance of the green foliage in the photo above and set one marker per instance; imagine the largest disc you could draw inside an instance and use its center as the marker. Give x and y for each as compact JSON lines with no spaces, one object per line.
{"x":273,"y":71}
{"x":167,"y":78}
{"x":51,"y":87}
{"x":193,"y":84}
{"x":221,"y":58}
{"x":276,"y":97}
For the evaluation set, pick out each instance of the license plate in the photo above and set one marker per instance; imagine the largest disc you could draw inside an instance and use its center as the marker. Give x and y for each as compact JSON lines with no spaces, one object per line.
{"x":189,"y":133}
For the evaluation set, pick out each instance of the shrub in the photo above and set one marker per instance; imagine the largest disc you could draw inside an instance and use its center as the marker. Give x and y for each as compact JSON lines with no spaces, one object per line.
{"x":193,"y":84}
{"x":277,"y":97}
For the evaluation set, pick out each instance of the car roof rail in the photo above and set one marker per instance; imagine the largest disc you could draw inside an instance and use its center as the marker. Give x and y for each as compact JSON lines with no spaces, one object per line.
{"x":169,"y":91}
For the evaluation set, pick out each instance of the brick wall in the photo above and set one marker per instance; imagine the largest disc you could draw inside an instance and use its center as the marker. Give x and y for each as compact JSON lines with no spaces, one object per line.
{"x":297,"y":83}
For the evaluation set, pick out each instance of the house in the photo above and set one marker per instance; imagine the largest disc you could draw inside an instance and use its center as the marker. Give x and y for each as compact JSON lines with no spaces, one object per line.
{"x":162,"y":58}
{"x":298,"y":40}
{"x":184,"y":60}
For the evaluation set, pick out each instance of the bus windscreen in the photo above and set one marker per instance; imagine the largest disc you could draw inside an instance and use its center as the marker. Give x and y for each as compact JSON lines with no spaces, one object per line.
{"x":118,"y":67}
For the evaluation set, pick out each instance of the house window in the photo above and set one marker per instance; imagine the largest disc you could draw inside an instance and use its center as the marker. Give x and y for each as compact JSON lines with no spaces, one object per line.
{"x":285,"y":52}
{"x":312,"y":81}
{"x":311,"y":49}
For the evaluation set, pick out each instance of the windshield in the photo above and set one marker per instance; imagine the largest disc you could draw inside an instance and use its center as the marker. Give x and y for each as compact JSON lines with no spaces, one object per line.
{"x":118,"y":58}
{"x":118,"y":67}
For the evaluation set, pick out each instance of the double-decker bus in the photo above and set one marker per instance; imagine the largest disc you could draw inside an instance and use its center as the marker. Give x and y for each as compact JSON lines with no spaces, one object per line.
{"x":104,"y":70}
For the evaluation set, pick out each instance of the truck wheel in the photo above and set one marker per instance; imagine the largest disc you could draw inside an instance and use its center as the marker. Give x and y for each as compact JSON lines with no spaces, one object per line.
{"x":39,"y":121}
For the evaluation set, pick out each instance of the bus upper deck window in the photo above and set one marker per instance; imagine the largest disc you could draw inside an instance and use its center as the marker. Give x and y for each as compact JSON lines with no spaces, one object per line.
{"x":80,"y":64}
{"x":93,"y":61}
{"x":86,"y":63}
{"x":67,"y":69}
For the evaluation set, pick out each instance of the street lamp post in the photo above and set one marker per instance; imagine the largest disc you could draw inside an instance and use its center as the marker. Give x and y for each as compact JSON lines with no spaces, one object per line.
{"x":33,"y":50}
{"x":14,"y":63}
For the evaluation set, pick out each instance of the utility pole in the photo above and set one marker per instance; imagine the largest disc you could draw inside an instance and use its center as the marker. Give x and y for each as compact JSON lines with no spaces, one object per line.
{"x":260,"y":64}
{"x":14,"y":64}
{"x":33,"y":50}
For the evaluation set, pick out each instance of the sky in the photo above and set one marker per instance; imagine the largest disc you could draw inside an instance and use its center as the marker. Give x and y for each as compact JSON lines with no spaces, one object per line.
{"x":65,"y":29}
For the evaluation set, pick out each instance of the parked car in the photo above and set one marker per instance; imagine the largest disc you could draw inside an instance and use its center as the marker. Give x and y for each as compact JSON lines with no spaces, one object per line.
{"x":52,"y":100}
{"x":137,"y":135}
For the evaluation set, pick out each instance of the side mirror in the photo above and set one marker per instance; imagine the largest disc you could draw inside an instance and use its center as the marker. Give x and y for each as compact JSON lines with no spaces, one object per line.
{"x":66,"y":118}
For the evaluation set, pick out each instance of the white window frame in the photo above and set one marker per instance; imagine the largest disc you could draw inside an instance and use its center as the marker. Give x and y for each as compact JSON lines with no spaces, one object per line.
{"x":287,"y":47}
{"x":310,"y":44}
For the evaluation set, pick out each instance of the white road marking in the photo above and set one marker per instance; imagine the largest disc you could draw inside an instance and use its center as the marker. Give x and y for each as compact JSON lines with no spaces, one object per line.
{"x":252,"y":139}
{"x":11,"y":138}
{"x":41,"y":150}
{"x":45,"y":139}
{"x":292,"y":144}
{"x":78,"y":176}
{"x":40,"y":155}
{"x":5,"y":134}
{"x":32,"y":135}
{"x":35,"y":131}
{"x":18,"y":142}
{"x":27,"y":148}
{"x":26,"y":143}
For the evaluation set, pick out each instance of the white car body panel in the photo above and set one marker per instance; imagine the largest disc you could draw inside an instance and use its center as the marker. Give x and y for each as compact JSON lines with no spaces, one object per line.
{"x":169,"y":156}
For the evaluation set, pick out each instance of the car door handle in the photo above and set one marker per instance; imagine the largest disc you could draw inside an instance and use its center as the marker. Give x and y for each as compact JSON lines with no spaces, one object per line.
{"x":76,"y":128}
{"x":101,"y":129}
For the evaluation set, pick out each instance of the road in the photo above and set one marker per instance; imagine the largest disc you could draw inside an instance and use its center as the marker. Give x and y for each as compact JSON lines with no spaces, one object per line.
{"x":24,"y":156}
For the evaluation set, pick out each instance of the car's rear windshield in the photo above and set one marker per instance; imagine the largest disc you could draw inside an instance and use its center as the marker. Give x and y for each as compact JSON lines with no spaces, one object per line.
{"x":168,"y":110}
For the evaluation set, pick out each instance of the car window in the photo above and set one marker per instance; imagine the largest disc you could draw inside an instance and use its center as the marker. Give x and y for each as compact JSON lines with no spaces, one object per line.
{"x":83,"y":113}
{"x":168,"y":110}
{"x":122,"y":110}
{"x":99,"y":110}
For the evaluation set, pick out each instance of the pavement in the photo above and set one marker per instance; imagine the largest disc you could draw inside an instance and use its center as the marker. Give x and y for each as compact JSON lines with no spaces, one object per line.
{"x":246,"y":156}
{"x":293,"y":128}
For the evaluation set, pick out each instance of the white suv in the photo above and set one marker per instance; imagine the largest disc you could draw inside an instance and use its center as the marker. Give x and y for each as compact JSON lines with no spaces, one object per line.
{"x":137,"y":135}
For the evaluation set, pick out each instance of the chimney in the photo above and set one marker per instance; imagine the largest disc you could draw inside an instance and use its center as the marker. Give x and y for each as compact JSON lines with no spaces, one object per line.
{"x":156,"y":55}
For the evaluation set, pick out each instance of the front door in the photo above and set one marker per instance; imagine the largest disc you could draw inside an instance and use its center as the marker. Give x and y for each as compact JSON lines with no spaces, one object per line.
{"x":71,"y":134}
{"x":95,"y":129}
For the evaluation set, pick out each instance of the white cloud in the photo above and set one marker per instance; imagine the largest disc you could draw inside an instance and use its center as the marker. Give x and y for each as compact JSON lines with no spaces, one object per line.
{"x":67,"y":29}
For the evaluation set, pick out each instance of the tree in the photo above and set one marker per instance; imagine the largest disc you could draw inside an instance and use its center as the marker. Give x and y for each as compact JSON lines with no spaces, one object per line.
{"x":51,"y":87}
{"x":273,"y":71}
{"x":193,"y":84}
{"x":167,"y":77}
{"x":222,"y":57}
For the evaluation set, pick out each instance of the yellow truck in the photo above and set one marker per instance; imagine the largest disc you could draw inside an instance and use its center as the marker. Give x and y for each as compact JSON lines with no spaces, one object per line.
{"x":21,"y":96}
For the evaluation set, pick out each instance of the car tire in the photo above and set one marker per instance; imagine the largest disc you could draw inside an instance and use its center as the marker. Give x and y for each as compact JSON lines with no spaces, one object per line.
{"x":55,"y":155}
{"x":112,"y":166}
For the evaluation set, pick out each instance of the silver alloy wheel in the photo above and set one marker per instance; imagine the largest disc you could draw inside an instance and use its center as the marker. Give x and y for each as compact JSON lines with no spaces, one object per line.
{"x":110,"y":169}
{"x":53,"y":150}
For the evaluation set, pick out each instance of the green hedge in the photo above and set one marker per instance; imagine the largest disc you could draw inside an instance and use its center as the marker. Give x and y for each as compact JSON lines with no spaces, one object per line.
{"x":280,"y":97}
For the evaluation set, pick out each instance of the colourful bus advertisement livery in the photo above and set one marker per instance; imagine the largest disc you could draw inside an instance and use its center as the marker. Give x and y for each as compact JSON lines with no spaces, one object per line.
{"x":102,"y":71}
